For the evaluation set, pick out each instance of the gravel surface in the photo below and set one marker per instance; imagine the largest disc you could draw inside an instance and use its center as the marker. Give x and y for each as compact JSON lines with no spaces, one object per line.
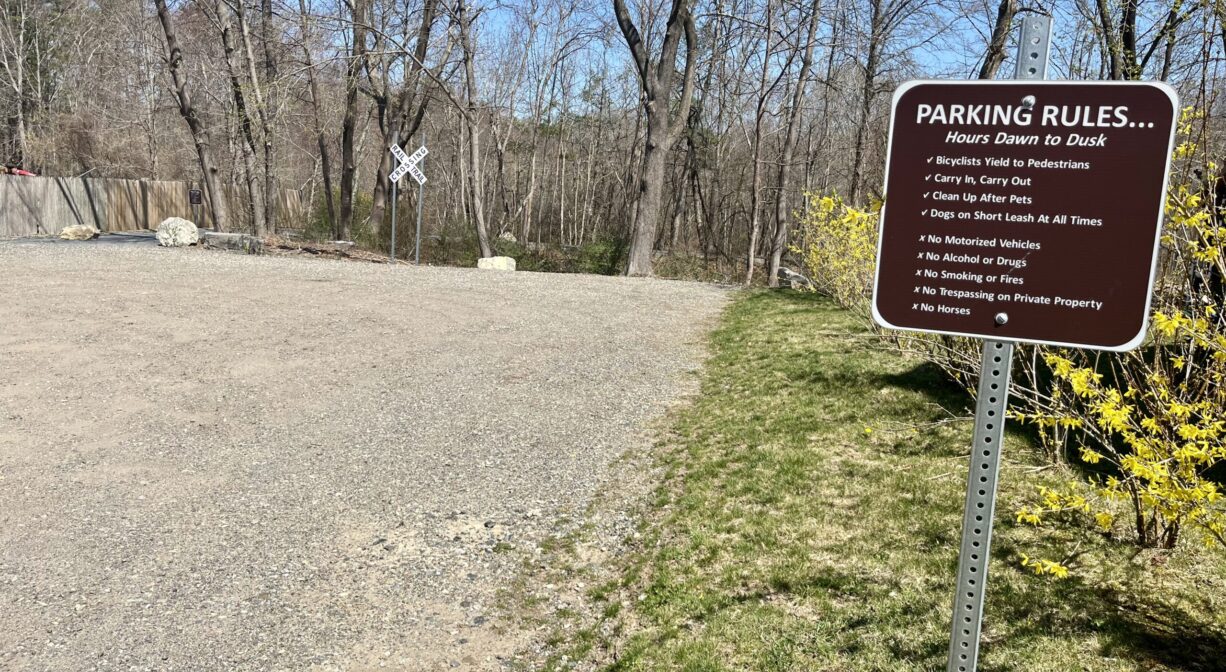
{"x":215,"y":461}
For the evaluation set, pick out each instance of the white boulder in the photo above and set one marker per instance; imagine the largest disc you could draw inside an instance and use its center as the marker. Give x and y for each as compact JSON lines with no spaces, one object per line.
{"x":177,"y":232}
{"x":79,"y":232}
{"x":496,"y":263}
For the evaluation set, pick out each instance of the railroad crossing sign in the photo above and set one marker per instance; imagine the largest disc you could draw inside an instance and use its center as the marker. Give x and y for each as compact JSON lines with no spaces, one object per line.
{"x":408,"y":164}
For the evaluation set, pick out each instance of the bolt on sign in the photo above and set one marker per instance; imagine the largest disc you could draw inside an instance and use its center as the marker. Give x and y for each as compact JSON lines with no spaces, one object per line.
{"x":1024,"y":210}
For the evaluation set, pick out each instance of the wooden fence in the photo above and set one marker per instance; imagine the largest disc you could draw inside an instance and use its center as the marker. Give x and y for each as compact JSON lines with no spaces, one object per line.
{"x":32,"y":206}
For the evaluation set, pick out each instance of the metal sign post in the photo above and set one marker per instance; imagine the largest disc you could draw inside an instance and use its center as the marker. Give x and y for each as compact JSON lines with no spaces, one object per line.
{"x":392,"y":252}
{"x":995,"y":190}
{"x":408,"y":164}
{"x":421,"y":194}
{"x":991,"y":402}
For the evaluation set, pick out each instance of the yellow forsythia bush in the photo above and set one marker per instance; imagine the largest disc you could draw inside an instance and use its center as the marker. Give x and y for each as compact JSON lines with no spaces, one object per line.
{"x":1152,"y":422}
{"x":838,"y":244}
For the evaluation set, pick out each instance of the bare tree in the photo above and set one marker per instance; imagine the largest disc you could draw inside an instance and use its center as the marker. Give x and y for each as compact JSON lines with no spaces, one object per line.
{"x":268,"y":217}
{"x":995,"y":54}
{"x":403,"y":110}
{"x":358,"y":10}
{"x":885,"y":17}
{"x":787,"y":156}
{"x":200,"y":135}
{"x":762,"y":96}
{"x":321,"y":138}
{"x":463,"y":20}
{"x":656,"y":80}
{"x":222,"y":14}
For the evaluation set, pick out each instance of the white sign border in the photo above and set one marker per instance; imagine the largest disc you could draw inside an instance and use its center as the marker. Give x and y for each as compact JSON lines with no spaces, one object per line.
{"x":1149,"y":296}
{"x":408,"y":164}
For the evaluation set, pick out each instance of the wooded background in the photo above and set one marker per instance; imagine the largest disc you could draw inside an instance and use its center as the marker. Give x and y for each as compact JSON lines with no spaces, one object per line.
{"x":667,"y":127}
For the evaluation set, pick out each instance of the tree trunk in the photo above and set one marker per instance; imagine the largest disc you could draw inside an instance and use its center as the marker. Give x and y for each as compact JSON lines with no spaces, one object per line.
{"x":348,"y":125}
{"x":325,"y":158}
{"x":789,"y":149}
{"x":755,"y":193}
{"x":472,"y":119}
{"x":995,"y":54}
{"x":403,"y":116}
{"x":650,"y":194}
{"x":200,"y":136}
{"x":656,"y":84}
{"x":23,"y":149}
{"x":866,"y":102}
{"x":262,"y":223}
{"x":271,"y":191}
{"x":1128,"y":40}
{"x":255,"y":205}
{"x":1115,"y":58}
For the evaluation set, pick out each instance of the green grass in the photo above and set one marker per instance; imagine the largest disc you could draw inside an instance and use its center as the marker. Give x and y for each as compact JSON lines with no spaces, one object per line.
{"x":811,"y":516}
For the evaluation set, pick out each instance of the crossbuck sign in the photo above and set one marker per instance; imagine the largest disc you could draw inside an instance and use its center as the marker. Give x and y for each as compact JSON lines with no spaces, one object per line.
{"x":408,"y":164}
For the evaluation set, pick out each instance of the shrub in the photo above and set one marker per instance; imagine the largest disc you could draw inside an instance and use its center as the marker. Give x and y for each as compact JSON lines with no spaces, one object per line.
{"x":606,"y":256}
{"x":838,"y":245}
{"x":318,"y":226}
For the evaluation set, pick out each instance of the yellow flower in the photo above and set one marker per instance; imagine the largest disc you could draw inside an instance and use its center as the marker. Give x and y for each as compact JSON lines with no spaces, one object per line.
{"x":1090,"y":456}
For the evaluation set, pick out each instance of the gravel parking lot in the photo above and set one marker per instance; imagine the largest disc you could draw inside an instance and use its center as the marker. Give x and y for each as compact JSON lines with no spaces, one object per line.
{"x":215,"y":461}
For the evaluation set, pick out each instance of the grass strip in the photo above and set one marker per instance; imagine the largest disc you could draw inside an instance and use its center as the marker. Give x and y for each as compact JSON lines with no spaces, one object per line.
{"x":811,"y":515}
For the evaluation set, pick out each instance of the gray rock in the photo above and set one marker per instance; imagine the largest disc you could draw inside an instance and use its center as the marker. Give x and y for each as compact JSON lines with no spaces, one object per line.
{"x":177,"y":232}
{"x":236,"y":242}
{"x":790,"y":278}
{"x":496,"y":263}
{"x":507,"y":236}
{"x":79,"y":232}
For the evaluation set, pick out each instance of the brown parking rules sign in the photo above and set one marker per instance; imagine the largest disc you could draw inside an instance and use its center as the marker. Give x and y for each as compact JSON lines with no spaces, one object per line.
{"x":193,"y":196}
{"x":1024,"y":211}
